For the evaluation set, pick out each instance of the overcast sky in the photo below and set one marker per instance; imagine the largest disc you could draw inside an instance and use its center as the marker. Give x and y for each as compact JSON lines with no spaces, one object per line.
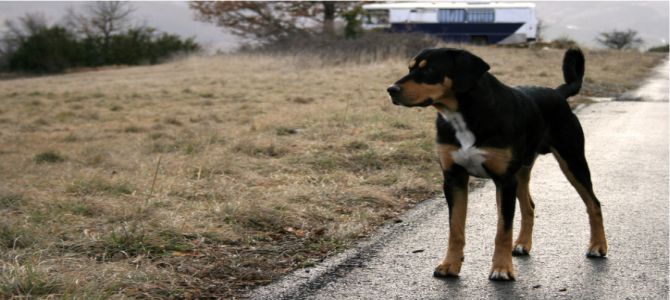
{"x":579,"y":20}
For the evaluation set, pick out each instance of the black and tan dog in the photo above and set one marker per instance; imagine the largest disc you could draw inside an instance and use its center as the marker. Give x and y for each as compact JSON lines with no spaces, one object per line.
{"x":488,"y":129}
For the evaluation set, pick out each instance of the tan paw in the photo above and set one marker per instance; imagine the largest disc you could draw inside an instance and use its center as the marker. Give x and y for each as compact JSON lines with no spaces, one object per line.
{"x":447,"y":270}
{"x":520,"y":249}
{"x":502,"y":274}
{"x":597,"y":250}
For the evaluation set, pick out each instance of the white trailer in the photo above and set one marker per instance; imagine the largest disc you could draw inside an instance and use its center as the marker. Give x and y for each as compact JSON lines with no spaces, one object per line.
{"x":470,"y":22}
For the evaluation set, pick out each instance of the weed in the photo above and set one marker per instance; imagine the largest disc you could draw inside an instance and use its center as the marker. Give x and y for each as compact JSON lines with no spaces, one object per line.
{"x":70,"y":138}
{"x":256,"y":149}
{"x":94,"y":156}
{"x":286,"y":131}
{"x":48,"y":157}
{"x":366,"y":161}
{"x":96,"y":186}
{"x":323,"y":161}
{"x":173,"y":121}
{"x":77,"y":207}
{"x":11,"y":200}
{"x":26,"y":282}
{"x":133,"y":129}
{"x":301,"y":100}
{"x":12,"y":236}
{"x":356,"y":145}
{"x":385,"y":136}
{"x":400,"y":125}
{"x":133,"y":240}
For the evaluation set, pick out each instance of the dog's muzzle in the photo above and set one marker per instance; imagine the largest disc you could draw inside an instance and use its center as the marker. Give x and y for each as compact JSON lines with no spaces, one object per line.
{"x":395,"y":91}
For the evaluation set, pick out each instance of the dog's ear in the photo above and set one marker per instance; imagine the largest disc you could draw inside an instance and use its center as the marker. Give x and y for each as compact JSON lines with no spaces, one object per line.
{"x":468,"y":68}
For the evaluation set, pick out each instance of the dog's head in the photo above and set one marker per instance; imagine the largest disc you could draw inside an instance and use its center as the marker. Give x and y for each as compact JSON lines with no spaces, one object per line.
{"x":435,"y":75}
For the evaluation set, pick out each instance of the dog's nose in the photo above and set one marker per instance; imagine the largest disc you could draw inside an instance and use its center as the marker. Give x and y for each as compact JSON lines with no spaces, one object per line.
{"x":394,"y":90}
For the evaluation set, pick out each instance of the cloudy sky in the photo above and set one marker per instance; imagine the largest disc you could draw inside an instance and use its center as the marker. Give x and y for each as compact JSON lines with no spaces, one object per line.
{"x":579,"y":20}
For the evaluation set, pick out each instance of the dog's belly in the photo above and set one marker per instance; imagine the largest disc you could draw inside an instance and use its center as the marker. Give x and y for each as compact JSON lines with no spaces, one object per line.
{"x":468,"y":156}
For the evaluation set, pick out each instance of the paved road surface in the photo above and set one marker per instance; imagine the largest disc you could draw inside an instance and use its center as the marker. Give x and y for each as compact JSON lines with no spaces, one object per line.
{"x":627,"y":149}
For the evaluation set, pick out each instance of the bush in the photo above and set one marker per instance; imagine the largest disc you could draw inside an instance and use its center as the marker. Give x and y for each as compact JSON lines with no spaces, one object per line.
{"x":54,"y":49}
{"x":49,"y":50}
{"x":370,"y":47}
{"x":619,"y":39}
{"x":662,"y":48}
{"x":564,"y":42}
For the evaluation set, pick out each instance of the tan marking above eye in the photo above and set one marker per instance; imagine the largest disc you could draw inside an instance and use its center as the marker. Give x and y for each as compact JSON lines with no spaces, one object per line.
{"x":423,"y":63}
{"x":412,"y":63}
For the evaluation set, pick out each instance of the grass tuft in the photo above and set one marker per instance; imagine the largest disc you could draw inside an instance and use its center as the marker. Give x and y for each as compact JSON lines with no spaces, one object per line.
{"x":12,"y":236}
{"x":98,"y":186}
{"x":11,"y":200}
{"x":24,"y":282}
{"x":48,"y":157}
{"x":132,"y":240}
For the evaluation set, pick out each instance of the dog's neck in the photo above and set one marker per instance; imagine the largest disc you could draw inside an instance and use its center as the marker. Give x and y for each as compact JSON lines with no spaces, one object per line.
{"x":446,"y":103}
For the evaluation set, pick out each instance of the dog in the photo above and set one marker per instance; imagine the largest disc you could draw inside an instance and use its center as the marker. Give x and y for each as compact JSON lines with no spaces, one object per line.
{"x":490,"y":130}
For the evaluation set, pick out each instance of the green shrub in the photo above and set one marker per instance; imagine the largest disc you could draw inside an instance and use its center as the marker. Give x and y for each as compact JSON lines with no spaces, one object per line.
{"x":48,"y":157}
{"x":54,"y":49}
{"x":661,"y":48}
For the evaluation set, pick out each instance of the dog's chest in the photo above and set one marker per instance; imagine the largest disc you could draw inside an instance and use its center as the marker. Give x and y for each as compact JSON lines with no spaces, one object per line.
{"x":468,"y":156}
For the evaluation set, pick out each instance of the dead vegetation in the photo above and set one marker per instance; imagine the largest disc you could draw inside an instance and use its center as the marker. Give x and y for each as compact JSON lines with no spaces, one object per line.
{"x":207,"y":176}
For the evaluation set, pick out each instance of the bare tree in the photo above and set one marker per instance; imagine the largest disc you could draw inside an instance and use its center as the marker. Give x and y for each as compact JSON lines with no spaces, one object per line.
{"x":268,"y":21}
{"x":101,"y":20}
{"x":619,"y":40}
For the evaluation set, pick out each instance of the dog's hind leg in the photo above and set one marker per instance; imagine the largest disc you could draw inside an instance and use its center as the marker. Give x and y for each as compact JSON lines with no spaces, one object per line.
{"x":524,"y":241}
{"x":569,"y":152}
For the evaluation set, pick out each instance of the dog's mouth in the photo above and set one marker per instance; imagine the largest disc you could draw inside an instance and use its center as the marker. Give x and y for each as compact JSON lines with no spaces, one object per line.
{"x":425,"y":103}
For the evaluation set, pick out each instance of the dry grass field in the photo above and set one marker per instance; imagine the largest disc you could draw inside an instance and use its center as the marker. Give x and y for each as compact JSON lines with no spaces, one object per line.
{"x":207,"y":176}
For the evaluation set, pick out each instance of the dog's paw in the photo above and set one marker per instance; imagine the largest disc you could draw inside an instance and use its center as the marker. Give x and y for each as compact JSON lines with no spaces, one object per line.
{"x":520,"y":250}
{"x":597,"y":251}
{"x":447,"y":270}
{"x":502,"y":274}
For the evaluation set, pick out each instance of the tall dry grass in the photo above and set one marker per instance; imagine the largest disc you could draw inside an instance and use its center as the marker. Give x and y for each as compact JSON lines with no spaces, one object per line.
{"x":267,"y":163}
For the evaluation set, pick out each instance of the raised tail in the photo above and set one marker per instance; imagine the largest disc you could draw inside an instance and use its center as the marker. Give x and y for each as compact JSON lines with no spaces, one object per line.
{"x":573,"y":72}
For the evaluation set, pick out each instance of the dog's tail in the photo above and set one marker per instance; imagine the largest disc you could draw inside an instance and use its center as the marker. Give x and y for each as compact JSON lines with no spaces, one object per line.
{"x":573,"y":72}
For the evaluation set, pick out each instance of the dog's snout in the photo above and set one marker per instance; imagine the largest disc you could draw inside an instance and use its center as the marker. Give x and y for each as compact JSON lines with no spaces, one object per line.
{"x":394,"y":90}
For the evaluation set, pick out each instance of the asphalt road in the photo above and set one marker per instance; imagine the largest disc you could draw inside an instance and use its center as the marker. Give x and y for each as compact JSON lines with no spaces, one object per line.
{"x":627,"y":150}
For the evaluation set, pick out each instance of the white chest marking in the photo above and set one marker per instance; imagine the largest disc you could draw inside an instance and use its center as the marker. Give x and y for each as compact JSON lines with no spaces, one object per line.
{"x":468,"y":156}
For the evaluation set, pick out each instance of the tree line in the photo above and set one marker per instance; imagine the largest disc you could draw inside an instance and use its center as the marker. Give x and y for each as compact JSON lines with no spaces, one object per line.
{"x":102,"y":34}
{"x":273,"y":23}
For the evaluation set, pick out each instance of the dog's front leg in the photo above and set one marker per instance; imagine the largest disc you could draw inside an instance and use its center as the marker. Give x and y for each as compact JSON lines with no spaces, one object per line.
{"x":502,"y":268}
{"x":456,"y":192}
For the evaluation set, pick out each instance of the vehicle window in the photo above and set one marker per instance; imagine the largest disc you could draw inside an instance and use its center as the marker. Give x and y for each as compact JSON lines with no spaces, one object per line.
{"x":451,"y":16}
{"x":481,"y":16}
